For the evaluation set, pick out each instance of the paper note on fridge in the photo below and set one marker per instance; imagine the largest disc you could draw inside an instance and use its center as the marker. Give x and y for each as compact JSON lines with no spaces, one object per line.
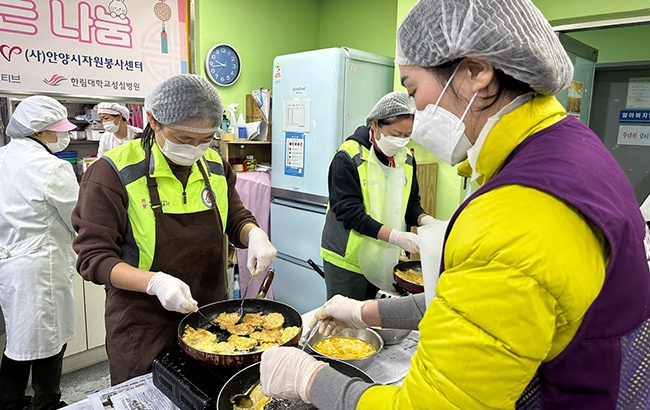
{"x":257,"y":131}
{"x":296,"y":115}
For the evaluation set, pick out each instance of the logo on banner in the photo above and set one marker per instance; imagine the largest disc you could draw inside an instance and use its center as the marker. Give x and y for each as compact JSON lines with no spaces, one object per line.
{"x":55,"y":80}
{"x":6,"y":50}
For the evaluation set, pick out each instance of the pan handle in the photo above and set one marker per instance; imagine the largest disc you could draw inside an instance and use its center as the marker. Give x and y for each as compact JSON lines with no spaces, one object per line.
{"x":316,"y":268}
{"x":266,"y":284}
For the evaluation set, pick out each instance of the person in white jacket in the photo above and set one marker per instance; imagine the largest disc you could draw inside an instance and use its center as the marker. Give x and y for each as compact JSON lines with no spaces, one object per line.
{"x":116,"y":131}
{"x":38,"y":192}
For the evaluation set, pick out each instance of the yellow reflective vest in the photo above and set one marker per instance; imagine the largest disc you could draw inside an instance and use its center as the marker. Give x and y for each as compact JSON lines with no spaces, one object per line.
{"x":342,"y":245}
{"x":128,"y":160}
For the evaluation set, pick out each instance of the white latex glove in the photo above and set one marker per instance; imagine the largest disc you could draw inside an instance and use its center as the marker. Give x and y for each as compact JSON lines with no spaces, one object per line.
{"x":405,"y":240}
{"x":337,"y":314}
{"x":260,"y":251}
{"x":285,"y":373}
{"x":173,"y":293}
{"x":427,"y":219}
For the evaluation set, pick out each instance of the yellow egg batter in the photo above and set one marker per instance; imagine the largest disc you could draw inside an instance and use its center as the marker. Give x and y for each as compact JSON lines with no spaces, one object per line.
{"x":344,"y":347}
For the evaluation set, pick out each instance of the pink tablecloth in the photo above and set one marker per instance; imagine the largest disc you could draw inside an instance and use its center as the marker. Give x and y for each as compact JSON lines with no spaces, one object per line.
{"x":254,"y":188}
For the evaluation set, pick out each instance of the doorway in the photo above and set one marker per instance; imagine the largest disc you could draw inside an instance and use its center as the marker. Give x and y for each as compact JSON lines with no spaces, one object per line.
{"x":621,"y":90}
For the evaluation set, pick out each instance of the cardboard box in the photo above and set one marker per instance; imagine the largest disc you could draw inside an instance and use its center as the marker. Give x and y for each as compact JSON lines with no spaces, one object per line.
{"x":254,"y":114}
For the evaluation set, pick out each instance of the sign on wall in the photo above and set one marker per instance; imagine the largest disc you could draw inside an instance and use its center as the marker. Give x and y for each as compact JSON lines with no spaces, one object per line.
{"x":634,"y":127}
{"x":121,"y":48}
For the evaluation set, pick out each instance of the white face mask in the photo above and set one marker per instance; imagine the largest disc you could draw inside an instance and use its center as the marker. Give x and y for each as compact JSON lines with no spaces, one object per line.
{"x":441,"y":132}
{"x":110,"y":126}
{"x":63,"y":139}
{"x":390,"y":145}
{"x":183,"y":154}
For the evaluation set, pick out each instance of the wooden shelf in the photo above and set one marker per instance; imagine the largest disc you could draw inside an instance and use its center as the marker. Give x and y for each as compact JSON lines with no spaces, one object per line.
{"x":261,"y":150}
{"x":247,"y":142}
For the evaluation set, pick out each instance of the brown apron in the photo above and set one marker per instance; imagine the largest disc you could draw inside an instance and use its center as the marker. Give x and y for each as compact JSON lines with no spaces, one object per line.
{"x":189,"y":247}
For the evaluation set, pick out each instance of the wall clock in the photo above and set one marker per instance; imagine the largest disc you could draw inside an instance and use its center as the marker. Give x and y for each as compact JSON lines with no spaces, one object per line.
{"x":223,"y":65}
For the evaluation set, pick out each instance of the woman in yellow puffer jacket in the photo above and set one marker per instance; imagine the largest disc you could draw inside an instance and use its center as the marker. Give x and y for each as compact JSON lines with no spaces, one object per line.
{"x":544,"y":290}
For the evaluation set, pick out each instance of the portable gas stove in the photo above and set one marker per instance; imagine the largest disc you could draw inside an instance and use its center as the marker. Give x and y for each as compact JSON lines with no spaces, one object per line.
{"x":188,"y":383}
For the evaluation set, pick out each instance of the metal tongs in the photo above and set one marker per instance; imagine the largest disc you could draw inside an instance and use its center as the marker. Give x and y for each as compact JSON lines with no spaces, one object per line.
{"x":266,"y":284}
{"x":309,"y":334}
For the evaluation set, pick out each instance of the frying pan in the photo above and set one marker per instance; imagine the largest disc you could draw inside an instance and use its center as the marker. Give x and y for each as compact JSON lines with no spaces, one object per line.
{"x":212,"y":310}
{"x":404,"y":284}
{"x":245,"y":378}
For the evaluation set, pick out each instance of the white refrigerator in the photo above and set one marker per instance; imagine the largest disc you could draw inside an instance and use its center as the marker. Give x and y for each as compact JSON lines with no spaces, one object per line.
{"x":319,"y":98}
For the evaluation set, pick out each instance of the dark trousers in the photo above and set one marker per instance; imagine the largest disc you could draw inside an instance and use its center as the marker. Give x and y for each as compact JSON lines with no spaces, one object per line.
{"x":339,"y":281}
{"x":46,"y":380}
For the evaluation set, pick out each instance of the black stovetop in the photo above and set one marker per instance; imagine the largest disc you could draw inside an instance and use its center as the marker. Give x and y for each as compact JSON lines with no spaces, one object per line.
{"x":188,"y":383}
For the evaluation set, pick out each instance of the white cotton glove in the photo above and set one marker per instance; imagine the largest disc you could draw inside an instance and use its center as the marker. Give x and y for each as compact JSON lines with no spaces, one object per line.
{"x":260,"y":251}
{"x":427,"y":219}
{"x":173,"y":293}
{"x":337,"y":314}
{"x":408,"y":241}
{"x":285,"y":373}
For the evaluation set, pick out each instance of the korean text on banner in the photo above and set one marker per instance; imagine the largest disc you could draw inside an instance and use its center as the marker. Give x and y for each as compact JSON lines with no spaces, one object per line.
{"x":91,"y":47}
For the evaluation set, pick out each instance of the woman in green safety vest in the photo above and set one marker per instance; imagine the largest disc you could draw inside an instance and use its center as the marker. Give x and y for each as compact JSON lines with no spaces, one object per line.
{"x":151,"y":221}
{"x":373,"y":196}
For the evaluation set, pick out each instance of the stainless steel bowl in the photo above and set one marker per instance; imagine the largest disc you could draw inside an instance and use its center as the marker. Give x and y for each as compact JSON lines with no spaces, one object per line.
{"x":392,"y":336}
{"x":367,"y":335}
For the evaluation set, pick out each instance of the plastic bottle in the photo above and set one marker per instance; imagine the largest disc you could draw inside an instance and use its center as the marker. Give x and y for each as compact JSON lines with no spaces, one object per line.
{"x":232,"y":128}
{"x":237,"y":292}
{"x":241,"y":126}
{"x":224,"y":122}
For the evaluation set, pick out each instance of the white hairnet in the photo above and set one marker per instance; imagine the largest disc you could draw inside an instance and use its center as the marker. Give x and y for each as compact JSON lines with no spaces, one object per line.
{"x":513,"y":35}
{"x":186,"y":102}
{"x":111,"y":108}
{"x":392,"y":105}
{"x":37,"y":113}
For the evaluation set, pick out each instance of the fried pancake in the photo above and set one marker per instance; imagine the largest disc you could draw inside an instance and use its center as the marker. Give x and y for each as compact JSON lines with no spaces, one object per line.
{"x":199,"y":339}
{"x":241,"y":329}
{"x":255,"y":319}
{"x":242,"y":343}
{"x":223,"y":348}
{"x":273,"y":321}
{"x":226,"y":319}
{"x":268,"y":336}
{"x":267,"y":346}
{"x":289,"y":333}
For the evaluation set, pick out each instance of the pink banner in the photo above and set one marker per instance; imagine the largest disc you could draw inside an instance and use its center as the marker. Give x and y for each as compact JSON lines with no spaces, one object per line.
{"x":120,"y":48}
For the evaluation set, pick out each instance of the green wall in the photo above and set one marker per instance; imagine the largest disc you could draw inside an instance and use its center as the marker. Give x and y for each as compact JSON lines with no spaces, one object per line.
{"x":259,"y":30}
{"x":362,"y":24}
{"x":618,"y":44}
{"x":560,"y":12}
